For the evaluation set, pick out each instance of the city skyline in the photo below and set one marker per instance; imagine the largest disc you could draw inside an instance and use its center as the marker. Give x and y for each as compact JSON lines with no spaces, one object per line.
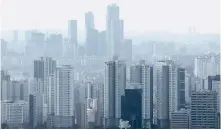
{"x":109,"y":80}
{"x":142,"y":16}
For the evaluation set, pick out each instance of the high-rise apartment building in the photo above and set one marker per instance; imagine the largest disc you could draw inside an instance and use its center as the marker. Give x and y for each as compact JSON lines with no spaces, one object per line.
{"x":64,"y":91}
{"x":37,"y":112}
{"x":143,"y":74}
{"x":170,"y":79}
{"x":162,"y":94}
{"x":114,"y":86}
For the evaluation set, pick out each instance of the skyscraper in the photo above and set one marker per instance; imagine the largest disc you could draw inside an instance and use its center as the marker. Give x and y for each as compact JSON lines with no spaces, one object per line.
{"x":114,"y":30}
{"x":72,"y":31}
{"x":89,"y":21}
{"x":73,"y":37}
{"x":114,"y":86}
{"x":143,"y":74}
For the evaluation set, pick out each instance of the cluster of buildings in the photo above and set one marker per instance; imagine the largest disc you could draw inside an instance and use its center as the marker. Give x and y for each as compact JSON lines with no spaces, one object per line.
{"x":115,"y":91}
{"x":153,"y":97}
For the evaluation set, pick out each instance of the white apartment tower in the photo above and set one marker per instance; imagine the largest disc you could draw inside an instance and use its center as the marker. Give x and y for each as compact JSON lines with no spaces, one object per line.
{"x":64,"y":91}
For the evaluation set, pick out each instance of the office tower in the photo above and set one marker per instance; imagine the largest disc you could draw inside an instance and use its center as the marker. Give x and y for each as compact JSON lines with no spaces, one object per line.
{"x":73,"y":36}
{"x":214,"y":85}
{"x":64,"y":97}
{"x":203,"y":110}
{"x":5,"y":86}
{"x":143,"y":74}
{"x":37,"y":112}
{"x":179,"y":119}
{"x":54,"y":45}
{"x":19,"y":90}
{"x":114,"y":86}
{"x":15,"y":114}
{"x":131,"y":107}
{"x":127,"y":49}
{"x":115,"y":29}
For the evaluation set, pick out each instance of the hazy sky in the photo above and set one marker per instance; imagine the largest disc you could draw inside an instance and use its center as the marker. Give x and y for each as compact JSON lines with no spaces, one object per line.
{"x":138,"y":15}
